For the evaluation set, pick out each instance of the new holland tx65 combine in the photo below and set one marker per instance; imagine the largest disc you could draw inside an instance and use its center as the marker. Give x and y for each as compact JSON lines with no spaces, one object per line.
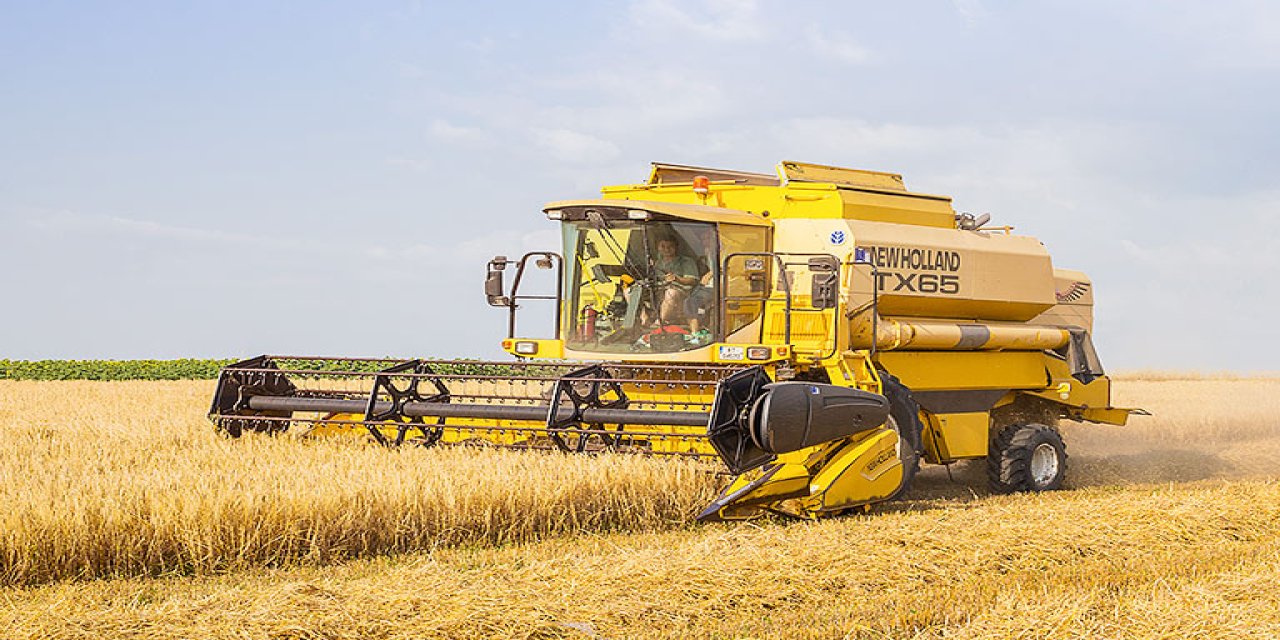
{"x":821,"y":331}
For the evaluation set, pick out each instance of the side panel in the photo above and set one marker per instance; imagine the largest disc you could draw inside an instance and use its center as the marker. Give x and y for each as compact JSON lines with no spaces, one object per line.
{"x":930,"y":272}
{"x":956,"y":391}
{"x":945,"y":370}
{"x":862,"y":471}
{"x":958,"y":435}
{"x":949,"y":273}
{"x":1074,"y":294}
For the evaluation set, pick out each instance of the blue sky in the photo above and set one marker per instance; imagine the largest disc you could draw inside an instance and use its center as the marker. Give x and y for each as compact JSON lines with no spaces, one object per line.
{"x":222,"y":179}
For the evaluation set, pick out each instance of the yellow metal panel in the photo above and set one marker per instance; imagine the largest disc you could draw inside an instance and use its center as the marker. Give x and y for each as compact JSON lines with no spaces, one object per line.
{"x":1067,"y":390}
{"x":666,"y":173}
{"x":968,"y":274}
{"x":1074,"y":293}
{"x":701,"y":354}
{"x":810,"y":329}
{"x":1090,"y":401}
{"x":864,"y":471}
{"x":897,"y":208}
{"x":808,"y":172}
{"x":1110,"y":415}
{"x":762,"y":200}
{"x":810,"y":201}
{"x":922,"y":370}
{"x":961,"y":435}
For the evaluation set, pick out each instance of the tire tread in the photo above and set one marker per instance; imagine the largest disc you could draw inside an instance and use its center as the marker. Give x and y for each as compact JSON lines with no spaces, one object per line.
{"x":1009,"y":456}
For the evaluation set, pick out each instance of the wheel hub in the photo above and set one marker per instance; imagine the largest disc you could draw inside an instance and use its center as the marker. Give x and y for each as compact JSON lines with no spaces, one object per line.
{"x":1044,"y":464}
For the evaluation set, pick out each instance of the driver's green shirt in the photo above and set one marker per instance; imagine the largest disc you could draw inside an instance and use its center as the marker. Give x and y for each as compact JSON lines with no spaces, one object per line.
{"x":682,"y":266}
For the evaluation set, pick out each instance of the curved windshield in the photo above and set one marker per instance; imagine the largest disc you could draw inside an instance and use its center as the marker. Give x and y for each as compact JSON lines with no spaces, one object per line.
{"x":640,"y":285}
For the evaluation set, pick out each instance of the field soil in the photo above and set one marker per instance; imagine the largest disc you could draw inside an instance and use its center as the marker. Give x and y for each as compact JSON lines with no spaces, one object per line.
{"x":125,"y":517}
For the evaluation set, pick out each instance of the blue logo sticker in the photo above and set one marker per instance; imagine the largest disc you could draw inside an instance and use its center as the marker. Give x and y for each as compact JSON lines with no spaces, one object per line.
{"x":860,"y":254}
{"x":813,"y":390}
{"x":837,"y":237}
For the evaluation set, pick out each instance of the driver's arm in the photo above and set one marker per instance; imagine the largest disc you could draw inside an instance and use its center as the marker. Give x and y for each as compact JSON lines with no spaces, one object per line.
{"x":684,"y":272}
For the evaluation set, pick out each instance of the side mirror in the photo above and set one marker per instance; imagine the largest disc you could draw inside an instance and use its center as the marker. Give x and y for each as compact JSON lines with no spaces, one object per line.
{"x":825,"y":287}
{"x":494,"y":289}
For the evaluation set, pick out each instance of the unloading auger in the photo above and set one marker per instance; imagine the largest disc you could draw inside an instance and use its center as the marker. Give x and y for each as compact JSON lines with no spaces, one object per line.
{"x":821,"y":332}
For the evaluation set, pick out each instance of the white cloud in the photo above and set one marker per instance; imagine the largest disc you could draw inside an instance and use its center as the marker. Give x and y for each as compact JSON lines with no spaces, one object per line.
{"x":1232,"y":35}
{"x":444,"y":130}
{"x":481,"y":45}
{"x":575,"y":147}
{"x":724,"y":20}
{"x":178,"y":237}
{"x":971,"y":11}
{"x":71,"y":222}
{"x":832,"y":135}
{"x":838,"y":46}
{"x":633,"y":102}
{"x":1237,"y":234}
{"x":1040,"y":159}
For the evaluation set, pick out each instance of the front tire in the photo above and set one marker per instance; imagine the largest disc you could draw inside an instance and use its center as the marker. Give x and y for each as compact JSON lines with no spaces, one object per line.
{"x":1027,"y":457}
{"x":904,"y":418}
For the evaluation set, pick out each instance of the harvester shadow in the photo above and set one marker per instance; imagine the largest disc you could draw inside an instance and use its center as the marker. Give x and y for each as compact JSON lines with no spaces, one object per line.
{"x":940,"y":488}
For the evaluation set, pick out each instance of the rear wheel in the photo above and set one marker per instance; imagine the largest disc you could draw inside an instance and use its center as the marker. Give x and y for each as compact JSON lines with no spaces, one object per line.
{"x":1027,"y":457}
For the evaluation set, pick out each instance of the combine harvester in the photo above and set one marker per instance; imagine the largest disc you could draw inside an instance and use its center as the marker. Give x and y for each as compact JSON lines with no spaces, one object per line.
{"x":822,"y":331}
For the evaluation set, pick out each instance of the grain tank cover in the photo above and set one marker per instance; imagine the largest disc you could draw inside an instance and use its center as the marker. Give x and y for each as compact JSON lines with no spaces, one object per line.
{"x":664,"y":173}
{"x":856,"y":178}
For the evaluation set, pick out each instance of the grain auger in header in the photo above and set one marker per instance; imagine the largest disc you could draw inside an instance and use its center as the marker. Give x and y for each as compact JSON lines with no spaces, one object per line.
{"x":821,"y":332}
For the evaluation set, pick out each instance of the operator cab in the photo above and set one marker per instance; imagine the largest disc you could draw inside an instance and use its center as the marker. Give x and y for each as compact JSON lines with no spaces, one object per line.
{"x":642,"y":281}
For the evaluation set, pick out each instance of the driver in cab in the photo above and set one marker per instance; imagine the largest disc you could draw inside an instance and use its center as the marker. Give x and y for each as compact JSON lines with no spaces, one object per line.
{"x":679,"y":273}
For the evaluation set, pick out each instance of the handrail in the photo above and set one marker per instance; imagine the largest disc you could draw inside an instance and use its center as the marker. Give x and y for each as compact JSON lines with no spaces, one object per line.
{"x":835,"y":311}
{"x":724,"y":287}
{"x":785,"y":282}
{"x":515,"y":289}
{"x":875,"y":298}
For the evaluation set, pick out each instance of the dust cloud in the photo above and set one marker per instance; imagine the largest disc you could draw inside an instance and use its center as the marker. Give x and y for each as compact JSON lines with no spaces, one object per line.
{"x":1201,"y":429}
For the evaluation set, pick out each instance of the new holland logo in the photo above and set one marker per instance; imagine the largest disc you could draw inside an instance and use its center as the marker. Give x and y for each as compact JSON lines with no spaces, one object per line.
{"x":1073,"y":292}
{"x":837,"y":237}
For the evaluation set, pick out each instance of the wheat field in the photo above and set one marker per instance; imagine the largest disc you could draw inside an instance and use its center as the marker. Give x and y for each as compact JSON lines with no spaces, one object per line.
{"x":1172,"y":530}
{"x":128,"y":478}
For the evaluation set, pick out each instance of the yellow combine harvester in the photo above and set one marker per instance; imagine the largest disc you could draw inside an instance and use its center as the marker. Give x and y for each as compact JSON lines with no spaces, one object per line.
{"x":822,"y":331}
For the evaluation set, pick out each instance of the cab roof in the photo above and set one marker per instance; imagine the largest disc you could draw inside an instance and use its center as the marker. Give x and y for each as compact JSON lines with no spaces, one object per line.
{"x":697,"y":212}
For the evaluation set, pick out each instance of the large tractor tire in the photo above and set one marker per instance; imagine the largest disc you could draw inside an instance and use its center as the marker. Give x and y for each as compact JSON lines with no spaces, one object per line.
{"x":904,"y":418}
{"x":1027,"y":457}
